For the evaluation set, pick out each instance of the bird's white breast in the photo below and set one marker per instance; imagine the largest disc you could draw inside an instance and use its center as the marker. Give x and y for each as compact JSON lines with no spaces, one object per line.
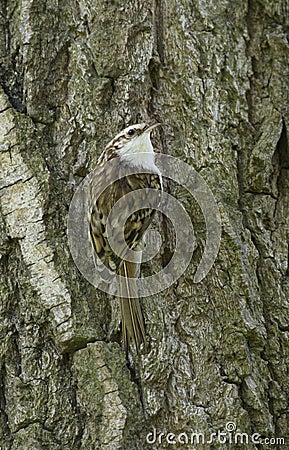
{"x":140,"y":153}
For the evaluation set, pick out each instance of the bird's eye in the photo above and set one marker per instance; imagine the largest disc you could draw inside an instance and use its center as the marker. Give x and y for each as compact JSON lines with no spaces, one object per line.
{"x":130,"y":132}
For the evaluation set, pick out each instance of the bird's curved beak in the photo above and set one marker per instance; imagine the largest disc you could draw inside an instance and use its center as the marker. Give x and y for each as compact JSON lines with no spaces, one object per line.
{"x":151,"y":126}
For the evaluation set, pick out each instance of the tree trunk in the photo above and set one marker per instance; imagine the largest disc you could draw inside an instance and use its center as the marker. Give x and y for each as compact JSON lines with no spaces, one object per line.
{"x":73,"y":74}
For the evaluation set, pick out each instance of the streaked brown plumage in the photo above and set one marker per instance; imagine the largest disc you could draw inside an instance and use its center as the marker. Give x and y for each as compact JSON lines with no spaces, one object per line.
{"x":133,"y":149}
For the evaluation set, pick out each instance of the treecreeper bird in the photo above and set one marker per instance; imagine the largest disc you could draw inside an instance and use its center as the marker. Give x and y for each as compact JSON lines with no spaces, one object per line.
{"x":133,"y":151}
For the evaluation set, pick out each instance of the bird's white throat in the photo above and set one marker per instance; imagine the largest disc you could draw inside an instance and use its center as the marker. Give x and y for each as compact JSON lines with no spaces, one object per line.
{"x":139,"y":152}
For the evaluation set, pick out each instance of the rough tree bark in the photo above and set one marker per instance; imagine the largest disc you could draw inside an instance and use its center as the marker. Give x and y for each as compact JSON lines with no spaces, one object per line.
{"x":73,"y":73}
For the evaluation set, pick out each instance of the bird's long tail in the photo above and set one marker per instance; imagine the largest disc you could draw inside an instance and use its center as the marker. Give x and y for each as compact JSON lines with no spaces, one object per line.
{"x":131,"y":313}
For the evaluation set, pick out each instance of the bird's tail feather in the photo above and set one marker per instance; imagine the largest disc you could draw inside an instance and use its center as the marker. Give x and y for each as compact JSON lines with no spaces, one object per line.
{"x":132,"y":317}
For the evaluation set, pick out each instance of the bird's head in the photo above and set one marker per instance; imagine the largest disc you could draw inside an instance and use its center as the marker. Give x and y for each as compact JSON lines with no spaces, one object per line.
{"x":133,"y":144}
